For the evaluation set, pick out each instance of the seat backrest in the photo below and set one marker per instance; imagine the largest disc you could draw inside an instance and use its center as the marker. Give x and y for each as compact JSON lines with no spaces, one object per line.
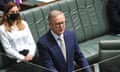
{"x":76,"y":21}
{"x":65,"y":8}
{"x":85,"y":17}
{"x":40,"y":24}
{"x":100,"y":8}
{"x":92,"y":17}
{"x":30,"y":17}
{"x":83,"y":13}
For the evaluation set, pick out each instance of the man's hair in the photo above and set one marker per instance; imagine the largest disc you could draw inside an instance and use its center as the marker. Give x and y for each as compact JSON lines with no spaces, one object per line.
{"x":54,"y":13}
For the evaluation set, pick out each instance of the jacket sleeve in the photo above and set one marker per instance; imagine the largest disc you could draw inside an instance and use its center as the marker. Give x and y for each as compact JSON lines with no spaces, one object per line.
{"x":80,"y":59}
{"x":45,"y":57}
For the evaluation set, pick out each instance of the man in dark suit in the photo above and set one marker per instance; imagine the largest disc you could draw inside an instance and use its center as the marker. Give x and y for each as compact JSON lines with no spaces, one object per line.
{"x":56,"y":56}
{"x":3,"y":2}
{"x":113,"y":11}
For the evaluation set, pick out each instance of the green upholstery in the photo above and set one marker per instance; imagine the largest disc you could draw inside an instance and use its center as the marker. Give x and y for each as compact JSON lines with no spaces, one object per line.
{"x":110,"y":55}
{"x":101,"y":15}
{"x":87,"y":18}
{"x":93,"y":18}
{"x":45,"y":11}
{"x":29,"y":17}
{"x":64,"y":8}
{"x":4,"y":70}
{"x":76,"y":21}
{"x":91,"y":47}
{"x":54,"y":6}
{"x":39,"y":22}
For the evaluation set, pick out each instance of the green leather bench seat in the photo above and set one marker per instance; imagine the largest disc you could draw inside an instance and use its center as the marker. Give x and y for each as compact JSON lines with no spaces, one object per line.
{"x":87,"y":18}
{"x":109,"y":55}
{"x":91,"y":50}
{"x":3,"y":70}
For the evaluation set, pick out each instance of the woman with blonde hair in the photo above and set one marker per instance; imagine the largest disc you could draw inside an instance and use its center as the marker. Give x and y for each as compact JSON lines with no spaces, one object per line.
{"x":16,"y":37}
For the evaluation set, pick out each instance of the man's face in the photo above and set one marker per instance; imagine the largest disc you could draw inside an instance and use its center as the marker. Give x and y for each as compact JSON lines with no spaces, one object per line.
{"x":57,"y":24}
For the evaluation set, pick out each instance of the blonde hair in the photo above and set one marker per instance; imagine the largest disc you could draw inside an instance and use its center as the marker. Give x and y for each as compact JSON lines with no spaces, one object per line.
{"x":7,"y":23}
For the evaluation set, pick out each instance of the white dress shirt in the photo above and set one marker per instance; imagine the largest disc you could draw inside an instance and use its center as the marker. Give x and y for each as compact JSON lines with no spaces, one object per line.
{"x":57,"y":38}
{"x":17,"y":40}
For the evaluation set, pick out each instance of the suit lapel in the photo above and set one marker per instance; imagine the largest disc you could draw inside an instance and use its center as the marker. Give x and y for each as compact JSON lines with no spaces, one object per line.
{"x":66,"y":38}
{"x":55,"y":47}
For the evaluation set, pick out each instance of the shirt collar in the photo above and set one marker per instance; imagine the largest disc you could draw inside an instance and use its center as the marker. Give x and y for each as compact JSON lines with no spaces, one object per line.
{"x":56,"y":36}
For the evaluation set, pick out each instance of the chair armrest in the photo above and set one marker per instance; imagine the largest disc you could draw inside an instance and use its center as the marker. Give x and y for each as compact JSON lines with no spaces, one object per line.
{"x":109,"y":55}
{"x":109,"y":44}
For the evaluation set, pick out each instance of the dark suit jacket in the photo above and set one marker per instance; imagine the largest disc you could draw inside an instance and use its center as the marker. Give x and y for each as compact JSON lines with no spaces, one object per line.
{"x":3,"y":2}
{"x":51,"y":55}
{"x":113,"y":11}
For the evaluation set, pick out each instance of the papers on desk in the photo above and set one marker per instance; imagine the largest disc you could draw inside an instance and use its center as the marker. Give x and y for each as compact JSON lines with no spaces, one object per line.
{"x":45,"y":0}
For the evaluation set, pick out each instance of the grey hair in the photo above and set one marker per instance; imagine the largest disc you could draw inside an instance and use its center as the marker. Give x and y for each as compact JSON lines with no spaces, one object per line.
{"x":54,"y":13}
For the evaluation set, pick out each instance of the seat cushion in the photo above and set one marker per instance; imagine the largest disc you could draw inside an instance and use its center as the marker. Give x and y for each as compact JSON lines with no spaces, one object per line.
{"x":109,"y":55}
{"x":3,"y":70}
{"x":90,"y":48}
